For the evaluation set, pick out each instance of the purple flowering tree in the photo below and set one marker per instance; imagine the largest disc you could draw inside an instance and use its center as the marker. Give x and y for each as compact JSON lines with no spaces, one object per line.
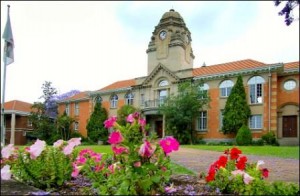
{"x":287,"y":10}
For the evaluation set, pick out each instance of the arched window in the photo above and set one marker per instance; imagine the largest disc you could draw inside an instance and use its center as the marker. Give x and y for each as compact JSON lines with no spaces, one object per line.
{"x":163,"y":83}
{"x":114,"y":101}
{"x":162,"y":92}
{"x":203,"y":88}
{"x":129,"y":98}
{"x":98,"y":99}
{"x":256,"y":90}
{"x":226,"y":87}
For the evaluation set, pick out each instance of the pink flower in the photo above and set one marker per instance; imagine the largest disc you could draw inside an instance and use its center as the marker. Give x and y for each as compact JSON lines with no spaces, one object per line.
{"x":130,"y":118}
{"x":146,"y":149}
{"x":237,"y":172}
{"x":259,"y":163}
{"x":115,"y":137}
{"x":119,"y":150}
{"x":169,"y":144}
{"x":58,"y":143}
{"x":6,"y":173}
{"x":37,"y":148}
{"x":247,"y":178}
{"x":142,"y":122}
{"x":110,"y":122}
{"x":75,"y":141}
{"x":68,"y":149}
{"x":75,"y":171}
{"x":137,"y":164}
{"x":7,"y":151}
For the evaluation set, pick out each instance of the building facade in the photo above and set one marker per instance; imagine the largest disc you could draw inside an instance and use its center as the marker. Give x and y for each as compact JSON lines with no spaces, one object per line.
{"x":16,"y":122}
{"x":272,"y":89}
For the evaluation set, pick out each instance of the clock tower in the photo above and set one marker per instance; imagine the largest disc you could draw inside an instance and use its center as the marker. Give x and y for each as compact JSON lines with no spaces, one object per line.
{"x":170,"y":44}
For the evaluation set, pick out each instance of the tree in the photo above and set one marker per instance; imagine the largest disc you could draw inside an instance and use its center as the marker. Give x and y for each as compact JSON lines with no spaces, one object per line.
{"x":95,"y":126}
{"x":181,"y":110}
{"x":237,"y":110}
{"x":63,"y":124}
{"x":123,"y":112}
{"x":287,"y":10}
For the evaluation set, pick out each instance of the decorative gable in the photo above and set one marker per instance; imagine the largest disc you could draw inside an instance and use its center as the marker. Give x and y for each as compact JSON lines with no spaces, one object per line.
{"x":160,"y":69}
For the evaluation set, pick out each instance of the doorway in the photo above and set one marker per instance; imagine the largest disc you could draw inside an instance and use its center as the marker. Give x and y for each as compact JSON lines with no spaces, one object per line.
{"x":289,"y":126}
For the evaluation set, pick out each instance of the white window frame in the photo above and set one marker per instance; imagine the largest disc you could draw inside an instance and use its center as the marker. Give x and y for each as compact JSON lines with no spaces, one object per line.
{"x":76,"y":126}
{"x":202,"y":121}
{"x":256,"y":121}
{"x":114,"y":101}
{"x":289,"y":84}
{"x":225,"y":88}
{"x":256,"y":89}
{"x":76,"y":108}
{"x":67,"y":109}
{"x":204,"y":90}
{"x":129,"y":98}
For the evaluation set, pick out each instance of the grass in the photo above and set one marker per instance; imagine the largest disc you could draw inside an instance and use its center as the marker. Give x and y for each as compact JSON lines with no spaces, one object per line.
{"x":274,"y":151}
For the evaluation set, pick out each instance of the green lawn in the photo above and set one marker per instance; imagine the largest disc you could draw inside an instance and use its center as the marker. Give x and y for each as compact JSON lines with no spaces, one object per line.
{"x":275,"y":151}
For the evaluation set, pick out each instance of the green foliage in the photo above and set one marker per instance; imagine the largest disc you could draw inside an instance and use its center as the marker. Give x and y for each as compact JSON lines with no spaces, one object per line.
{"x":270,"y":138}
{"x":64,"y":123}
{"x":123,"y":112}
{"x":51,"y":169}
{"x":244,"y":136}
{"x":258,"y":142}
{"x":95,"y":126}
{"x":237,"y":110}
{"x":181,"y":110}
{"x":135,"y":168}
{"x":282,"y":188}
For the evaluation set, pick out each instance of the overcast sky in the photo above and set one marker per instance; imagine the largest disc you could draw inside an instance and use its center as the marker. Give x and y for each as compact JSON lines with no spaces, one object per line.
{"x":88,"y":45}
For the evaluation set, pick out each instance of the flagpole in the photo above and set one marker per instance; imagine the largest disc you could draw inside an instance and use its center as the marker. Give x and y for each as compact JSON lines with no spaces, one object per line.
{"x":3,"y":96}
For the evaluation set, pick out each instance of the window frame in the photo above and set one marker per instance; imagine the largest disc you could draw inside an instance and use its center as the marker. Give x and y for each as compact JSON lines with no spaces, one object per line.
{"x":67,"y":109}
{"x":254,"y":119}
{"x":76,"y":106}
{"x":226,"y":87}
{"x":202,"y":122}
{"x":129,"y":97}
{"x":76,"y":126}
{"x":114,"y":101}
{"x":255,"y":84}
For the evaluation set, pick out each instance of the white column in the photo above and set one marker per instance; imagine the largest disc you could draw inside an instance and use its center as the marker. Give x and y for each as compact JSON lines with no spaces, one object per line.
{"x":12,"y":130}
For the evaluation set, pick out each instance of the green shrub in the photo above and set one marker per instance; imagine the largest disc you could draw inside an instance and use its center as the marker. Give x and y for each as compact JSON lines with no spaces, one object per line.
{"x":270,"y":138}
{"x":244,"y":136}
{"x":258,"y":142}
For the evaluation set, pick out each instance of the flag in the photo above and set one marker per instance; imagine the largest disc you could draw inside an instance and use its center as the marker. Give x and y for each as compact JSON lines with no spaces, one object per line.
{"x":8,"y":42}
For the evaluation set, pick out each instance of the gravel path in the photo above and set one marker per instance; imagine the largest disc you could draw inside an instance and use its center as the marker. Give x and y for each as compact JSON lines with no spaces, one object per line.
{"x":199,"y":160}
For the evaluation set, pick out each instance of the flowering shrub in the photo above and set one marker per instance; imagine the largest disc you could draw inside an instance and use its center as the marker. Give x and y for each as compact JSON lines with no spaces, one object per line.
{"x":137,"y":167}
{"x":232,"y":174}
{"x":39,"y":165}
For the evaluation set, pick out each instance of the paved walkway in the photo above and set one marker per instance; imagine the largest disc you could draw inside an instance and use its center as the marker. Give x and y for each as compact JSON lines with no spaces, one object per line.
{"x":199,"y":160}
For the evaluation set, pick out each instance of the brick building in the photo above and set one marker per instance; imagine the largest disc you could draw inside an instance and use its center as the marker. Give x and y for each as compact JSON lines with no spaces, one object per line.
{"x":16,"y":121}
{"x":272,"y":89}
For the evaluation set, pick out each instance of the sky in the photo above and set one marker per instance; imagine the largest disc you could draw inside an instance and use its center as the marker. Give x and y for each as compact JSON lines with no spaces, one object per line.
{"x":86,"y":46}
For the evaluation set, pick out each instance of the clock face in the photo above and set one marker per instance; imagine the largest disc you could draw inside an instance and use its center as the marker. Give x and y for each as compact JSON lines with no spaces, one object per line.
{"x":163,"y":35}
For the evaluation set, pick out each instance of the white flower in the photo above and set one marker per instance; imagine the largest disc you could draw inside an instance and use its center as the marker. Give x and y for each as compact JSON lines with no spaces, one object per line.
{"x":7,"y":151}
{"x":247,"y":178}
{"x":259,"y":163}
{"x":6,"y":173}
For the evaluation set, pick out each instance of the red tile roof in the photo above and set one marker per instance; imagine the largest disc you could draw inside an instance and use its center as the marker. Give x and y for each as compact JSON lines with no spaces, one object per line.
{"x":80,"y":95}
{"x":18,"y":106}
{"x":291,"y":65}
{"x":119,"y":84}
{"x":227,"y":67}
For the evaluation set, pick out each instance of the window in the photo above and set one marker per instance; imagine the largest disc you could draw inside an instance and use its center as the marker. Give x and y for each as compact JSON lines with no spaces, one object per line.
{"x":226,"y":87}
{"x":202,"y":121}
{"x":162,"y":95}
{"x":255,"y":122}
{"x":76,"y":109}
{"x":129,"y":99}
{"x":114,"y":101}
{"x":98,"y":99}
{"x":29,"y":123}
{"x":203,"y":90}
{"x":163,"y":83}
{"x":255,"y":87}
{"x":76,"y":126}
{"x":221,"y":119}
{"x":67,"y":109}
{"x":142,"y":99}
{"x":289,"y":85}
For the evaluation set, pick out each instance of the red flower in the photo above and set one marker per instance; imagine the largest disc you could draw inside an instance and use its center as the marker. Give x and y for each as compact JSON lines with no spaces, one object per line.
{"x":265,"y":172}
{"x":211,"y":172}
{"x":241,"y":164}
{"x":222,"y":161}
{"x":234,"y":153}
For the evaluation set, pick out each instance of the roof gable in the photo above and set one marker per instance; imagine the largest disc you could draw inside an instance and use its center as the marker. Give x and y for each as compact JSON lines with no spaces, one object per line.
{"x":156,"y":70}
